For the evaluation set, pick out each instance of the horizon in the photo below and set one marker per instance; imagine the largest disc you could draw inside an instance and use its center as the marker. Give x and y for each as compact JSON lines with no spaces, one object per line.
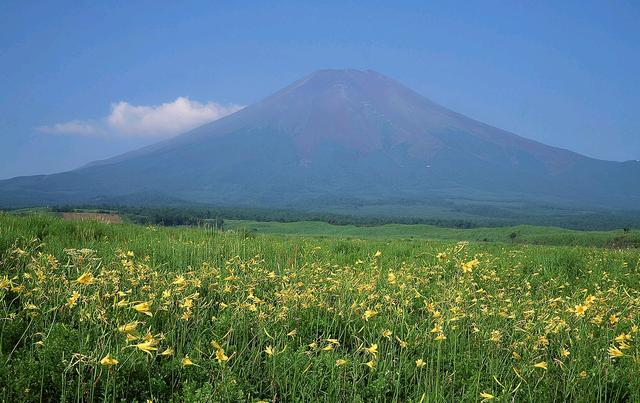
{"x":77,"y":91}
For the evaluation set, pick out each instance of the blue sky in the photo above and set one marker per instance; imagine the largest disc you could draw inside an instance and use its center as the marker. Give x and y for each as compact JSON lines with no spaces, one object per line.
{"x":81,"y":81}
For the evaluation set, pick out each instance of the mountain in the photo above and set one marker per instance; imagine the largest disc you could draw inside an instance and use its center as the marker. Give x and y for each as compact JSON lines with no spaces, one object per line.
{"x":349,"y":138}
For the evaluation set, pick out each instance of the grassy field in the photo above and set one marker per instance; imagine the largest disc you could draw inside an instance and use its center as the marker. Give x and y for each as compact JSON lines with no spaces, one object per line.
{"x":520,"y":234}
{"x":117,"y":312}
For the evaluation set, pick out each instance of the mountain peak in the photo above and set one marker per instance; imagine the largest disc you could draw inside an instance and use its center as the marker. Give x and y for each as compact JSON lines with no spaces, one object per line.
{"x":326,"y":79}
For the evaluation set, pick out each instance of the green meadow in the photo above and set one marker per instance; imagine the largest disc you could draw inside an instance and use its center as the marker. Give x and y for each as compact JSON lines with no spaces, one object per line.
{"x":283,"y":312}
{"x":522,"y":234}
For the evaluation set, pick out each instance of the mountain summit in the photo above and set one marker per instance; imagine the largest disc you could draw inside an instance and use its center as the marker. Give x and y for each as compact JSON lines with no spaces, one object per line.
{"x":343,"y":136}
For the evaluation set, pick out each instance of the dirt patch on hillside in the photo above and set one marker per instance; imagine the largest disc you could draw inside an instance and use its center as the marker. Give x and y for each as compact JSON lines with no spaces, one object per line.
{"x":109,"y":218}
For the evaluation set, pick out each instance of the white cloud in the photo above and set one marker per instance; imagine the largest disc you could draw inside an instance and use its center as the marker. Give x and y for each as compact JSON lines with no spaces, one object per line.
{"x":72,"y":127}
{"x":164,"y":120}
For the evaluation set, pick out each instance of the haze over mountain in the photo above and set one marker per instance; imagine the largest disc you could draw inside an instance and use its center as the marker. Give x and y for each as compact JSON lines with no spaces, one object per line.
{"x":342,"y":137}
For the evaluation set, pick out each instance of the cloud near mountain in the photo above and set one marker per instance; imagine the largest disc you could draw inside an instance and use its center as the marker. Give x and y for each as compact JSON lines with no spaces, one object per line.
{"x":160,"y":121}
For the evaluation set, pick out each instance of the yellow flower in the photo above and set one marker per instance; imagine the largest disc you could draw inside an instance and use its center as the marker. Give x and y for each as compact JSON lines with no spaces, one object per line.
{"x":441,"y":337}
{"x":167,"y":352}
{"x":368,"y":314}
{"x":420,"y":363}
{"x":147,"y":346}
{"x":614,"y":352}
{"x":371,"y":364}
{"x":613,"y":319}
{"x":378,"y":254}
{"x":221,"y":356}
{"x":71,"y":302}
{"x":216,"y":345}
{"x":328,"y":347}
{"x":622,"y":337}
{"x":564,"y":352}
{"x":580,"y":310}
{"x":403,"y":344}
{"x":387,"y":333}
{"x":179,"y":281}
{"x":543,"y":342}
{"x":269,"y":351}
{"x":5,"y":283}
{"x":143,"y":307}
{"x":373,"y":350}
{"x":86,"y":278}
{"x":496,"y":336}
{"x":292,"y":333}
{"x":128,"y":328}
{"x":441,"y":256}
{"x":486,"y":396}
{"x":469,"y":266}
{"x":391,"y":278}
{"x":186,"y":361}
{"x":187,"y":303}
{"x":583,"y":374}
{"x":541,"y":365}
{"x":108,"y":361}
{"x":340,"y":362}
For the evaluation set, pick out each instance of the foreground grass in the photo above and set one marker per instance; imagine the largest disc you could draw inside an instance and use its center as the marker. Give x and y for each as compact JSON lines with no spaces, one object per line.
{"x":522,"y":234}
{"x":92,"y":311}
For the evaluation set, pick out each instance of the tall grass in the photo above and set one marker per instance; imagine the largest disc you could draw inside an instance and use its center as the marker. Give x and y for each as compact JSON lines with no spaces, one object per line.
{"x":92,"y":311}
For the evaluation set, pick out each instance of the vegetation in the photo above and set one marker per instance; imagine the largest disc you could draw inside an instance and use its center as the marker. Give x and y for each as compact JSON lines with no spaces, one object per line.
{"x":524,"y":234}
{"x":124,"y":312}
{"x":167,"y":216}
{"x":455,"y":216}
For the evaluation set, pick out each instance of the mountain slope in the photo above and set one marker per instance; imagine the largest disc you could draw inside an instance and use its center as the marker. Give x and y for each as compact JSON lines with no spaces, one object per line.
{"x":340,"y":136}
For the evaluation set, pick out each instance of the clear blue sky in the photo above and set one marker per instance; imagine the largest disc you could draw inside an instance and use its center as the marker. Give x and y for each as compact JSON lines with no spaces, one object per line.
{"x":566,"y":73}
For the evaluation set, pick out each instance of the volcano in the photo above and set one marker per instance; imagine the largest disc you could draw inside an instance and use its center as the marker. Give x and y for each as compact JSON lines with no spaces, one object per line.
{"x":345,"y":137}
